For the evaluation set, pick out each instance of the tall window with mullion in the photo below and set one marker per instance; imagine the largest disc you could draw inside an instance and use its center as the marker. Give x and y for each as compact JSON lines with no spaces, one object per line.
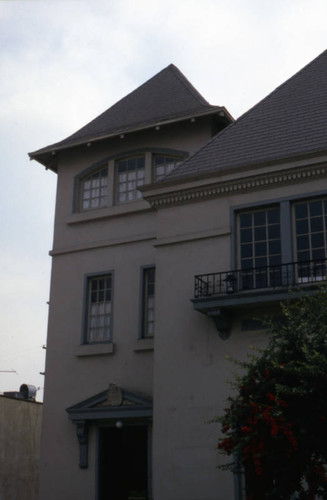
{"x":131,"y":175}
{"x":99,"y":309}
{"x":94,"y":190}
{"x":163,"y":165}
{"x":260,"y":248}
{"x":311,"y":239}
{"x":148,"y":302}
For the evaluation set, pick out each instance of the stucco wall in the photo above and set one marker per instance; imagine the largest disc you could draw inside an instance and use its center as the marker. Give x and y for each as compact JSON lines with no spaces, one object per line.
{"x":120,"y":242}
{"x":191,"y":371}
{"x":20,"y":430}
{"x":187,"y":371}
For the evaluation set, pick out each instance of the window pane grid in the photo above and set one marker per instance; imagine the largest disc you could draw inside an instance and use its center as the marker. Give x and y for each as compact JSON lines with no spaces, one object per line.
{"x":99,"y":309}
{"x":94,"y":190}
{"x":163,"y":165}
{"x":260,"y":246}
{"x":148,"y":302}
{"x":131,"y":175}
{"x":310,"y":228}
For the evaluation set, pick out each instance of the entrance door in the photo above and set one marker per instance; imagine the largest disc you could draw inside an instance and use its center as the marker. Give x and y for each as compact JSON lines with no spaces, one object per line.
{"x":123,"y":463}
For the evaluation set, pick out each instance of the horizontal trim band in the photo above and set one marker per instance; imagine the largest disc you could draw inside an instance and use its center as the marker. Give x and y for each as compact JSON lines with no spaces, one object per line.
{"x":247,"y":184}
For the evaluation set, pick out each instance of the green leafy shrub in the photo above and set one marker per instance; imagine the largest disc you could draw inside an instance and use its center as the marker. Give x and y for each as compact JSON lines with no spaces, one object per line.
{"x":276,"y":421}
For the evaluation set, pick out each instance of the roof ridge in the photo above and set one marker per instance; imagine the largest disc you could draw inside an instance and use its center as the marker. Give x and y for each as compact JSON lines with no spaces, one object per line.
{"x":270,"y":95}
{"x":139,"y":87}
{"x":166,"y":96}
{"x":175,"y":71}
{"x":188,"y":85}
{"x":244,"y":115}
{"x":136,"y":90}
{"x":117,"y":103}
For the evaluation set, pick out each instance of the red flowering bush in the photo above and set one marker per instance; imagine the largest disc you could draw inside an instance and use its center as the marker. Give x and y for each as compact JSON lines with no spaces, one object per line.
{"x":275,"y":423}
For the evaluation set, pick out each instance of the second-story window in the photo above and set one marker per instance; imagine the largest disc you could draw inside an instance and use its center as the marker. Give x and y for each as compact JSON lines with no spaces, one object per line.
{"x":119,"y":178}
{"x":311,"y":227}
{"x":260,"y":246}
{"x":130,"y":176}
{"x":94,"y":190}
{"x":311,"y":239}
{"x":99,"y":298}
{"x":148,"y":302}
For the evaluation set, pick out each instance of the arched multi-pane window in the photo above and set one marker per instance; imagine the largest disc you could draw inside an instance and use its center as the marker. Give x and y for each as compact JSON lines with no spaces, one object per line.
{"x":130,"y":176}
{"x":164,"y":165}
{"x":94,"y":190}
{"x":118,"y":179}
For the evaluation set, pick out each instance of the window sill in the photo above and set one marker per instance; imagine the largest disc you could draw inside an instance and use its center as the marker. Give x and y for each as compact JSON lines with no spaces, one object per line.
{"x":95,"y":349}
{"x":113,"y":211}
{"x":143,"y":345}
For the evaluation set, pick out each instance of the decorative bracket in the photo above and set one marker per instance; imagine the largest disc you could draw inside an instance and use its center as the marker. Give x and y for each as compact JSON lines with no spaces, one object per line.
{"x":223,"y":322}
{"x":82,"y":435}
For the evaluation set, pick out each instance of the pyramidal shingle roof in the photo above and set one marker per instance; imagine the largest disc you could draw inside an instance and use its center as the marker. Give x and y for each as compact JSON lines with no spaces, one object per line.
{"x":167,"y":96}
{"x":291,"y":121}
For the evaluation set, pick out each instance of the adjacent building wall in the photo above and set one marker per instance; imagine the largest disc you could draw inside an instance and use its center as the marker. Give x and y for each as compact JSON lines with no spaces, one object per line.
{"x":20,"y":430}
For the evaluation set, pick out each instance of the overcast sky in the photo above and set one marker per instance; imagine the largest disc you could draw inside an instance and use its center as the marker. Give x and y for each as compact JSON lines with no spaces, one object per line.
{"x":63,"y":62}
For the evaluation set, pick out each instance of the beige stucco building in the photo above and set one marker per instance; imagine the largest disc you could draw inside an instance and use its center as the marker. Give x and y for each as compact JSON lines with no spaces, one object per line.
{"x":174,"y":227}
{"x":20,"y":433}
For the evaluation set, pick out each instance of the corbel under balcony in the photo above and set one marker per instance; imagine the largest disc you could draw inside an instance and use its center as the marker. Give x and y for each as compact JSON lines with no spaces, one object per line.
{"x":218,"y":295}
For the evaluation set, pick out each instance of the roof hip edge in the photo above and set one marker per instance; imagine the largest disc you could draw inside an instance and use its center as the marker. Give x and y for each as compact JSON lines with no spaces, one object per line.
{"x":195,"y":93}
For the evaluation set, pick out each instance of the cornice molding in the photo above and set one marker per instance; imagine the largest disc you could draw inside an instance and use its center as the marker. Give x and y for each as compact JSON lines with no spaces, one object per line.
{"x":246,"y":184}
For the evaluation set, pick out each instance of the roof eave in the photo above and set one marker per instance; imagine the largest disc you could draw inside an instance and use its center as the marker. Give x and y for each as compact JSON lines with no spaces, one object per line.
{"x":42,"y":155}
{"x":47,"y":159}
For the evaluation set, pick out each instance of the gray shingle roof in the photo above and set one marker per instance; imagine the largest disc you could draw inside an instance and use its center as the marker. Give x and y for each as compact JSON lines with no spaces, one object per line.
{"x":166,"y":96}
{"x":291,"y":121}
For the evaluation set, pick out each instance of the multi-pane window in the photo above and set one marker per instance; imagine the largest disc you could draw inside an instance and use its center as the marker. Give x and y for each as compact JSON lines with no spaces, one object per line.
{"x":310,"y":228}
{"x":94,"y":190}
{"x":272,"y":251}
{"x":260,"y":247}
{"x":99,"y":309}
{"x":120,"y":180}
{"x":148,"y":302}
{"x":131,"y":175}
{"x":163,"y":165}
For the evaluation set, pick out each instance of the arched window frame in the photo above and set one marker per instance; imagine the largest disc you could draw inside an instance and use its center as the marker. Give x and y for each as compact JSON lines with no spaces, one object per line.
{"x":111,"y":165}
{"x":89,"y":175}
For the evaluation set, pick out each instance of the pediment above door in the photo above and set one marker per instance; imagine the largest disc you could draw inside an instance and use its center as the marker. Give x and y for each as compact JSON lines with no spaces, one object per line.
{"x":113,"y":404}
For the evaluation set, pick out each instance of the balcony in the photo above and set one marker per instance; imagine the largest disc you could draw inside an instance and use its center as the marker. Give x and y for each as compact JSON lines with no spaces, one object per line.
{"x":216,"y":294}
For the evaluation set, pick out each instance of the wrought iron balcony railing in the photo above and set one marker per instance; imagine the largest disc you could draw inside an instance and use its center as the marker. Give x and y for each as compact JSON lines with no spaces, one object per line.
{"x":285,"y":276}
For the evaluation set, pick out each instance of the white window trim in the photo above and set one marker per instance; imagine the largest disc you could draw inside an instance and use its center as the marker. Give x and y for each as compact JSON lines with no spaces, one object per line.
{"x":86,"y":312}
